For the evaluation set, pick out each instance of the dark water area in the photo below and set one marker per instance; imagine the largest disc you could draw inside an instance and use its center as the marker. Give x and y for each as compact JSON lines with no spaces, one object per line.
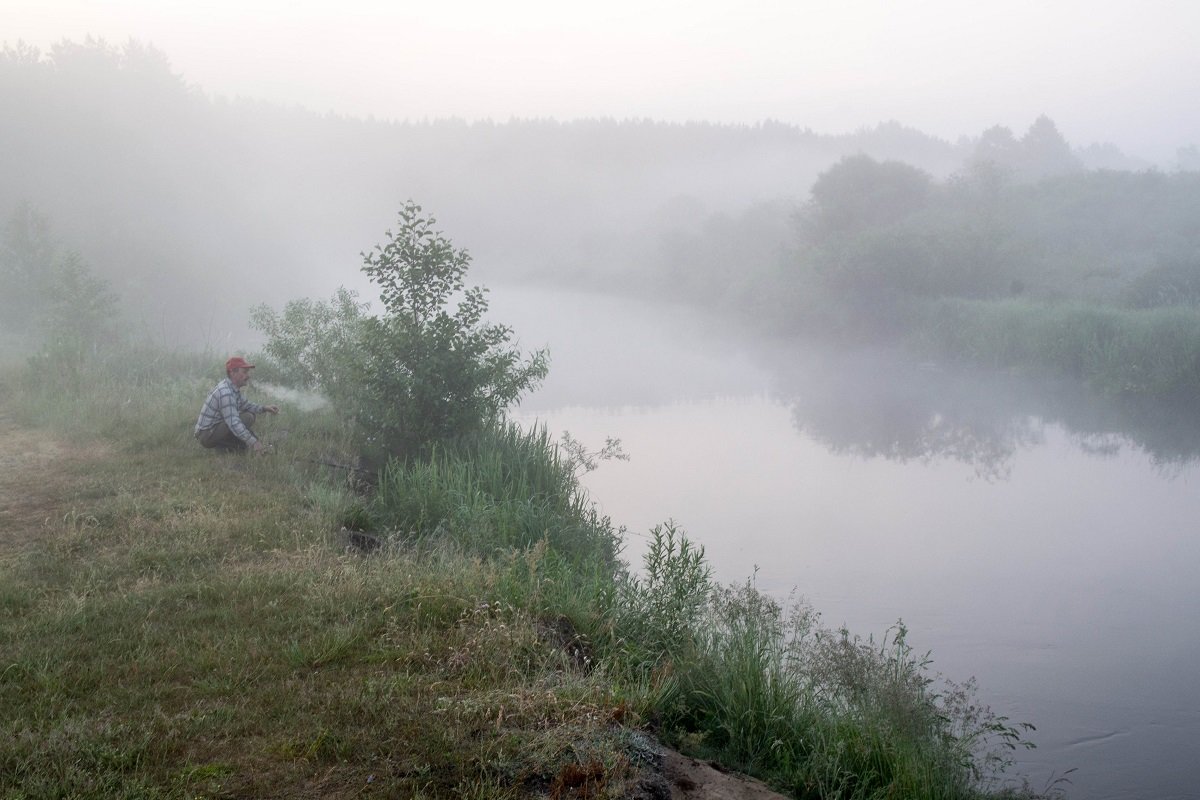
{"x":1036,"y":537}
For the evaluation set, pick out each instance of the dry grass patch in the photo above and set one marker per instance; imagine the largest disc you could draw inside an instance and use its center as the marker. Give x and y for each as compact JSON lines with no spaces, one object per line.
{"x":36,"y":471}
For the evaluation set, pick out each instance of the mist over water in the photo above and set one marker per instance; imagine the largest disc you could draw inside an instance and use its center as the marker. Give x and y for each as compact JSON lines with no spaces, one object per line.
{"x":1039,"y":543}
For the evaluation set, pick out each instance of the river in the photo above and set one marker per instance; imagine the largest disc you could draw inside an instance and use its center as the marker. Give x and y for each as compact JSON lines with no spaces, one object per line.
{"x":1032,"y":536}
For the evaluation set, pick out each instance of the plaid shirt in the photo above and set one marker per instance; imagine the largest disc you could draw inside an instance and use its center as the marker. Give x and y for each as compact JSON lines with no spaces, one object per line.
{"x":226,"y":404}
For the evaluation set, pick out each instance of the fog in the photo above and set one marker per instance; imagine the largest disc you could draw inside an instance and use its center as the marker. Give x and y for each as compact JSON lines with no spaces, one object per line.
{"x":1114,"y":70}
{"x":679,"y":201}
{"x":197,"y":207}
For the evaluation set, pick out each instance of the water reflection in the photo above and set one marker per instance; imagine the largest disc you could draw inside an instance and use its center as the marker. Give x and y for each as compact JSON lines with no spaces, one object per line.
{"x":882,"y":403}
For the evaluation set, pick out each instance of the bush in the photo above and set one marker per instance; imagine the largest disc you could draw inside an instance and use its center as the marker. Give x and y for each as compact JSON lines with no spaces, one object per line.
{"x":428,"y":370}
{"x":662,"y":609}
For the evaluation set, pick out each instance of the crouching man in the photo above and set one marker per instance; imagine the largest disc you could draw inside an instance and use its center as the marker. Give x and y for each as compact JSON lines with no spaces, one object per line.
{"x":227,"y":418}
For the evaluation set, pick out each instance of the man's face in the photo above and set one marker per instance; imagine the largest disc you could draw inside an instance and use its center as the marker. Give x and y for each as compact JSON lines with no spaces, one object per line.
{"x":240,"y":376}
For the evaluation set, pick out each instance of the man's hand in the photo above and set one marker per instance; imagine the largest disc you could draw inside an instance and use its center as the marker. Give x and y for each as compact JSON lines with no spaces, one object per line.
{"x":271,"y":409}
{"x":259,"y":448}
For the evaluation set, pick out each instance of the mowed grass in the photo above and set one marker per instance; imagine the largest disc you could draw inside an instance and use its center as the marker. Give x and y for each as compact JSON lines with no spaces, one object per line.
{"x":174,"y":623}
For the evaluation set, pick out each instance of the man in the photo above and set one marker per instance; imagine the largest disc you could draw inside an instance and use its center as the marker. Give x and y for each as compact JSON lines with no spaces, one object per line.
{"x":227,"y":418}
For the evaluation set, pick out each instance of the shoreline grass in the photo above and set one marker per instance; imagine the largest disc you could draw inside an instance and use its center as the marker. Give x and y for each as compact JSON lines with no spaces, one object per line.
{"x":1117,"y":351}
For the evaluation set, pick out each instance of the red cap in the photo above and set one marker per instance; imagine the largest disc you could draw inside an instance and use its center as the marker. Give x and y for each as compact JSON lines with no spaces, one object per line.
{"x":237,"y":362}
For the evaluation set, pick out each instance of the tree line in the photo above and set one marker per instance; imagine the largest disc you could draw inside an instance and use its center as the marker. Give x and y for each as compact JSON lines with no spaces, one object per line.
{"x":173,"y":193}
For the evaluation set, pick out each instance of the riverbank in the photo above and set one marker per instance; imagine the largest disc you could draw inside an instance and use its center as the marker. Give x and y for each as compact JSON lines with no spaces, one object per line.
{"x":186,"y":624}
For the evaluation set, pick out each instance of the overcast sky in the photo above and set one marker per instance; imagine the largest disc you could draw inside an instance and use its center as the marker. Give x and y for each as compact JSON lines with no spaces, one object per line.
{"x":1104,"y":70}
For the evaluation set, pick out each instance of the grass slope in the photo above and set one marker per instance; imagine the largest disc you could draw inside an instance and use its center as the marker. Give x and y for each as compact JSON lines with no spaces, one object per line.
{"x":179,"y":624}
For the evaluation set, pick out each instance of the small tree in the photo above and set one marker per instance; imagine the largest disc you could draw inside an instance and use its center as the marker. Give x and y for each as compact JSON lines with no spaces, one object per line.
{"x":69,"y":313}
{"x":426,"y":370}
{"x":81,"y":316}
{"x":27,"y":261}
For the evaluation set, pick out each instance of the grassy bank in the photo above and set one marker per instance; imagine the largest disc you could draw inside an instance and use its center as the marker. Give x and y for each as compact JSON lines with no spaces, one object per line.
{"x":1118,"y":351}
{"x":179,"y":624}
{"x":184,"y":624}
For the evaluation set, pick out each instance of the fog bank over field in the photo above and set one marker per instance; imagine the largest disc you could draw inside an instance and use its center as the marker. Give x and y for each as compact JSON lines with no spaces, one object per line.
{"x":196,"y":207}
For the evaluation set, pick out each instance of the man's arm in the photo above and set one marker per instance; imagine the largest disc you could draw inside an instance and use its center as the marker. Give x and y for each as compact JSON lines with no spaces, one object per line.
{"x":257,"y":408}
{"x":231,"y":414}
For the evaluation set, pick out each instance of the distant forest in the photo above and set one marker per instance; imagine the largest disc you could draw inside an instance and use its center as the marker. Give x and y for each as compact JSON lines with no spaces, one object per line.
{"x":196,"y":207}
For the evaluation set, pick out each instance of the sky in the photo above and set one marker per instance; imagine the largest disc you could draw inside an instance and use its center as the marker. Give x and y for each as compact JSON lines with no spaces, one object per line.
{"x":1104,"y":70}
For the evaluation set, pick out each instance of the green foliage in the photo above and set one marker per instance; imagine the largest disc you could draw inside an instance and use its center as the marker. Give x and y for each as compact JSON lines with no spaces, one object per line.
{"x":498,"y":489}
{"x":1040,"y":153}
{"x":736,"y":676}
{"x":28,"y":256}
{"x":434,"y":373}
{"x":429,"y":369}
{"x":580,"y":460}
{"x":740,"y":696}
{"x":696,"y":251}
{"x":68,"y":313}
{"x":876,"y":234}
{"x":317,"y":346}
{"x":1174,"y":282}
{"x":859,"y":193}
{"x":81,"y":317}
{"x":661,"y":610}
{"x":1093,"y":275}
{"x":874,"y":226}
{"x":1155,"y":352}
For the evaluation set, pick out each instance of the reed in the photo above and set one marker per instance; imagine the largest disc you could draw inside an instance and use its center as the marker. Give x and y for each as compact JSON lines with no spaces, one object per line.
{"x":1150,"y":352}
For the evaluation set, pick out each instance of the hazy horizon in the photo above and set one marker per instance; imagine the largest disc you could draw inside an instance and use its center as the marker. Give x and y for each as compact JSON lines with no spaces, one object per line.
{"x":1110,"y":72}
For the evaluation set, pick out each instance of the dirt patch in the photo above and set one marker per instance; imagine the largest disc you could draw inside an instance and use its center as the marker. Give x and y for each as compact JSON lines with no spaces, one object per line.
{"x":690,"y":779}
{"x":36,"y":474}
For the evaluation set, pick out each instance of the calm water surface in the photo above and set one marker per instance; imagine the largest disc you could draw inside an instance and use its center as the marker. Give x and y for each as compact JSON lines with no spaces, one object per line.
{"x":1030,"y":536}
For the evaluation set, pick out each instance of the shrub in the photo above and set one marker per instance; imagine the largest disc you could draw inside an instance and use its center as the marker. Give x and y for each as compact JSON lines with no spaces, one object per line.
{"x":661,"y":609}
{"x":427,"y":370}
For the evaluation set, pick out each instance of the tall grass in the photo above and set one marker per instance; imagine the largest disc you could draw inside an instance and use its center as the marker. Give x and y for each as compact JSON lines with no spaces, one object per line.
{"x":1152,"y":352}
{"x":501,"y":489}
{"x":763,"y":687}
{"x":136,"y":394}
